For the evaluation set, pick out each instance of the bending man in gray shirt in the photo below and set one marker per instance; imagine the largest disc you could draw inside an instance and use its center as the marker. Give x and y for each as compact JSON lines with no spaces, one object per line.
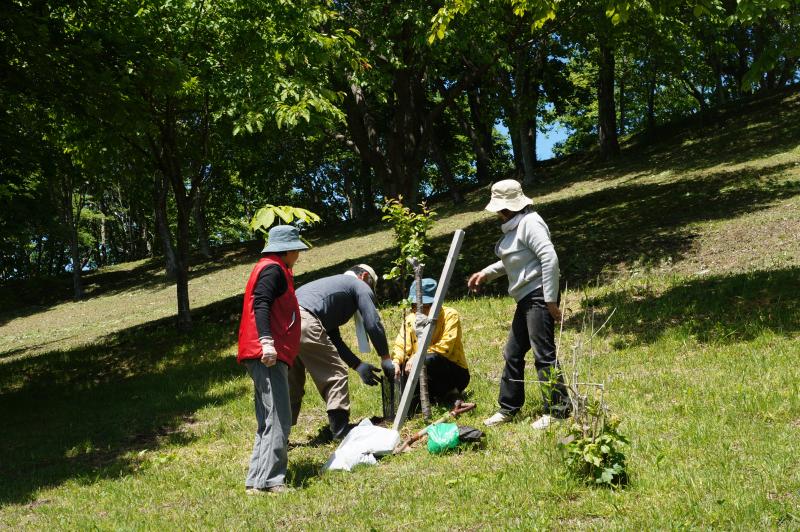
{"x":325,"y":305}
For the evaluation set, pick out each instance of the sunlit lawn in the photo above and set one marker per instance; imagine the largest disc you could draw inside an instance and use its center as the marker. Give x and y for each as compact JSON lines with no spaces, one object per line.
{"x":112,"y":421}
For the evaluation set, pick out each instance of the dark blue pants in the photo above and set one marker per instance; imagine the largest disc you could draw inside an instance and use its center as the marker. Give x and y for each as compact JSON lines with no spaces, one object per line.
{"x":533,"y":326}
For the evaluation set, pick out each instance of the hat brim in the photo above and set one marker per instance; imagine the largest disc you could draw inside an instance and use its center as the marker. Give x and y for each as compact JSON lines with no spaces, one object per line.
{"x":287,"y":246}
{"x":426,"y":300}
{"x":497,"y":204}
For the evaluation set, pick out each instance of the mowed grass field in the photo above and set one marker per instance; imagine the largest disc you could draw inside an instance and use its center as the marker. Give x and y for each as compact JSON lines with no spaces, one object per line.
{"x":112,"y":421}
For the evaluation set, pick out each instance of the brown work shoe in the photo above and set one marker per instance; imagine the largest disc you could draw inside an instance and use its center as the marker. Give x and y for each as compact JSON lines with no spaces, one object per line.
{"x":280,"y":488}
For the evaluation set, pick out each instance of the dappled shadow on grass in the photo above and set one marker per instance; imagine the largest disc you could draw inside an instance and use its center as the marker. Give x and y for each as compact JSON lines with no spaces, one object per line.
{"x":649,"y":223}
{"x":24,"y":298}
{"x":713,"y":309}
{"x":643,"y":224}
{"x":302,"y":471}
{"x":83,"y":413}
{"x":740,"y":133}
{"x":86,"y":411}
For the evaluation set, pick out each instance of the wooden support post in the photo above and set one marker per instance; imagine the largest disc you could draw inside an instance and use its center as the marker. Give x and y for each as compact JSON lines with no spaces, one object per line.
{"x":425,"y":341}
{"x":424,"y":398}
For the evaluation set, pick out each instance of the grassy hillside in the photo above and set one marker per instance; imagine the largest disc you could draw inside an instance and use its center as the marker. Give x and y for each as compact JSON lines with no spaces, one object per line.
{"x":111,"y":421}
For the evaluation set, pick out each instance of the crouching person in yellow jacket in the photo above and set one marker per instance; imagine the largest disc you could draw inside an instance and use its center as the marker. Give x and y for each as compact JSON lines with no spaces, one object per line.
{"x":445,"y":362}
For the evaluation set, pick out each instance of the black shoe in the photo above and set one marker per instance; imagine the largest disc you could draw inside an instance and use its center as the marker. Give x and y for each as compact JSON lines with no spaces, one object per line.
{"x":339,"y":423}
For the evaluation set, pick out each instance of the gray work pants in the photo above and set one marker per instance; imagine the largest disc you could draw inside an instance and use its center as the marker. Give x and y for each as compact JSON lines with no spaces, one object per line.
{"x":274,"y":417}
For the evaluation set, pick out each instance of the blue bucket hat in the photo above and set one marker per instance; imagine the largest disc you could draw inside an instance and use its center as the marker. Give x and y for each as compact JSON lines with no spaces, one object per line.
{"x":284,"y":238}
{"x":428,"y":291}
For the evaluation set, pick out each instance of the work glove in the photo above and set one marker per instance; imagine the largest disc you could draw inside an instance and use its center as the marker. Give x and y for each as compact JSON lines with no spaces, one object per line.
{"x":368,"y":373}
{"x":269,"y":356}
{"x":388,"y":368}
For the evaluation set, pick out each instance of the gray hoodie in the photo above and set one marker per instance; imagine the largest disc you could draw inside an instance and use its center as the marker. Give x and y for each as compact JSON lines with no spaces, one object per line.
{"x":527,"y":257}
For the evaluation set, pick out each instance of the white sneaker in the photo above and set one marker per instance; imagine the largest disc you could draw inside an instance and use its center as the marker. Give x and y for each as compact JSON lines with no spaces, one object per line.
{"x":542,"y":423}
{"x":497,"y":419}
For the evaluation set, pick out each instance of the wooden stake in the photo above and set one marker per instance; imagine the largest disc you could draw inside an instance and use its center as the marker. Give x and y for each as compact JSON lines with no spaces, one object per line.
{"x":424,"y":398}
{"x":422,"y":346}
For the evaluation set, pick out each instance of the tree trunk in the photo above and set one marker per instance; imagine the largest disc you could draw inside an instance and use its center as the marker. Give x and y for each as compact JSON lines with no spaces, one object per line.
{"x":367,"y":144}
{"x":144,"y":239}
{"x":102,"y":255}
{"x":424,"y":398}
{"x":516,"y":148}
{"x":72,"y":223}
{"x":622,"y":104}
{"x":651,"y":100}
{"x":398,"y":154}
{"x":527,"y":105}
{"x":788,"y":72}
{"x":162,"y":226}
{"x":171,"y":165}
{"x":59,"y":268}
{"x":349,"y":194}
{"x":607,"y":127}
{"x":511,"y":111}
{"x":742,"y":41}
{"x":447,"y":173}
{"x":719,"y":85}
{"x":405,"y":153}
{"x":77,"y":285}
{"x":481,"y":136}
{"x":201,"y":225}
{"x":368,"y":206}
{"x":50,"y":252}
{"x":182,"y":277}
{"x":527,"y":139}
{"x":37,"y":269}
{"x":482,"y":164}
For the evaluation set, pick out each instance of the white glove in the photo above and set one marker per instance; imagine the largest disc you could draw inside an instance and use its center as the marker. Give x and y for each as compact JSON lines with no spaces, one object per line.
{"x":268,"y":354}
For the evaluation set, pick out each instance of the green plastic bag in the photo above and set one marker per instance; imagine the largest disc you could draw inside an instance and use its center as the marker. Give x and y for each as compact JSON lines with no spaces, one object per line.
{"x":442,"y":437}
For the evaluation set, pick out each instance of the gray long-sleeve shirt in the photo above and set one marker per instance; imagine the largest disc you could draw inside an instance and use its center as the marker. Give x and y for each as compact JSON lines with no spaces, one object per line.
{"x":334,"y":300}
{"x":527,"y":257}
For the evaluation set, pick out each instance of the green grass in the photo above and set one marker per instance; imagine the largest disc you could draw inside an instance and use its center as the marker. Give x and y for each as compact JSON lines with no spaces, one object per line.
{"x":112,"y":421}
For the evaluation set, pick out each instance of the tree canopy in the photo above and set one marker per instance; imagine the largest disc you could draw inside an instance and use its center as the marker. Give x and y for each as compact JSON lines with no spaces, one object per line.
{"x":160,"y":128}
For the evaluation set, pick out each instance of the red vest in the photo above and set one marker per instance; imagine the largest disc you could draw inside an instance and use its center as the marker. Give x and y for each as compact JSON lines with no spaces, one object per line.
{"x":284,"y":318}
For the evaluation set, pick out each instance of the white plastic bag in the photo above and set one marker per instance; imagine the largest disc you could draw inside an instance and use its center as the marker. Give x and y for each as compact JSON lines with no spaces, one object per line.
{"x":359,"y":447}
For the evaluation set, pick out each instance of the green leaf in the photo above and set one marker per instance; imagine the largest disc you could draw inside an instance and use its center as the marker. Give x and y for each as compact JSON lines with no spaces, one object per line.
{"x":263,"y":219}
{"x":284,"y":213}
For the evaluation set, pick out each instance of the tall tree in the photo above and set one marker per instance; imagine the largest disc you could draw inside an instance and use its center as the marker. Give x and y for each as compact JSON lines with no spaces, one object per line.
{"x":171,"y":78}
{"x":392,"y":109}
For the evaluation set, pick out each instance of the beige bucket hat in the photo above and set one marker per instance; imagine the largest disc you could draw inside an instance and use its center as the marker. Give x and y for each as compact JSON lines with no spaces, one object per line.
{"x":507,"y":194}
{"x":367,"y":268}
{"x":371,"y":273}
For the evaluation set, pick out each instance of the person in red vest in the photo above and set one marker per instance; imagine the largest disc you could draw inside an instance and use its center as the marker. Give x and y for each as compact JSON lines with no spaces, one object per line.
{"x":269,"y":339}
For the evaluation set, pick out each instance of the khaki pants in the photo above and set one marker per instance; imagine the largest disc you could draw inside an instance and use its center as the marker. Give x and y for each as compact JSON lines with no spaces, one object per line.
{"x":319,"y":357}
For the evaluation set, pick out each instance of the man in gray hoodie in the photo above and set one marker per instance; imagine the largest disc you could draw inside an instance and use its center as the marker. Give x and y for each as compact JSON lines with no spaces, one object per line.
{"x":325,"y":305}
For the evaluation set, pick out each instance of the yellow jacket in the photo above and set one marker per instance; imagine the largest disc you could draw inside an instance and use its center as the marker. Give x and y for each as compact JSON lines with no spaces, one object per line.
{"x":446,"y":339}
